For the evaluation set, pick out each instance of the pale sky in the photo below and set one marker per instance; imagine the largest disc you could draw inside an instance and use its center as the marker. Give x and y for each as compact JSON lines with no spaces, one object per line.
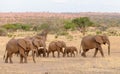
{"x":59,"y":5}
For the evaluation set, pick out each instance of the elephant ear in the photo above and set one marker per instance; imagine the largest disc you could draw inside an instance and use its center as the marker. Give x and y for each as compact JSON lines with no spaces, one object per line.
{"x":35,"y":43}
{"x":22,"y":43}
{"x":99,"y":39}
{"x":58,"y":43}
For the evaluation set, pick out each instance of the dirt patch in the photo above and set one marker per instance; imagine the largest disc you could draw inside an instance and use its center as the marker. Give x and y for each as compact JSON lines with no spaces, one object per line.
{"x":67,"y":65}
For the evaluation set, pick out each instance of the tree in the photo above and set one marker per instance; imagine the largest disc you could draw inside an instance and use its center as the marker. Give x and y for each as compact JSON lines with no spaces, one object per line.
{"x":68,"y":24}
{"x":82,"y":23}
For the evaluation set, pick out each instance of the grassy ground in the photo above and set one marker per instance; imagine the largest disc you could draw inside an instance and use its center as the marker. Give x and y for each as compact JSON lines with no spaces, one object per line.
{"x":67,"y":65}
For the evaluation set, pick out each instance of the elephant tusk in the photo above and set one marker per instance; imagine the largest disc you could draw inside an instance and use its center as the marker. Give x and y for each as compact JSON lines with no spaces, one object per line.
{"x":40,"y":47}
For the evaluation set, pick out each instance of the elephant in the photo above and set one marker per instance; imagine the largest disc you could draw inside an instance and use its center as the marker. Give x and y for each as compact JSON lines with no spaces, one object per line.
{"x":41,"y":46}
{"x":56,"y":46}
{"x":42,"y":51}
{"x":21,"y":46}
{"x":94,"y":41}
{"x":71,"y":50}
{"x":39,"y":41}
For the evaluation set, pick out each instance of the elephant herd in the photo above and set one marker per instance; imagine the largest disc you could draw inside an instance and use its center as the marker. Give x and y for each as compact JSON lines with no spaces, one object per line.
{"x":37,"y":46}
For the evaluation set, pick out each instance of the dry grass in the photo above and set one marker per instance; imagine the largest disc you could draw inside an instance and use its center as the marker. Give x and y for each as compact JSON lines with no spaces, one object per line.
{"x":67,"y":65}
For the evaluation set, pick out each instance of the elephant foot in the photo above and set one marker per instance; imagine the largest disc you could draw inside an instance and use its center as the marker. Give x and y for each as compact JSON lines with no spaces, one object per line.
{"x":58,"y":56}
{"x":94,"y":56}
{"x":11,"y":62}
{"x":83,"y":55}
{"x":25,"y":62}
{"x":6,"y":61}
{"x":53,"y":56}
{"x":21,"y":62}
{"x":34,"y":61}
{"x":103,"y":56}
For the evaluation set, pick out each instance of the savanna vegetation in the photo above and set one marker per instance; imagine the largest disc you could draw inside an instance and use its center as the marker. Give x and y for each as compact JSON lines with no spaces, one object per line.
{"x":61,"y":23}
{"x":68,"y":27}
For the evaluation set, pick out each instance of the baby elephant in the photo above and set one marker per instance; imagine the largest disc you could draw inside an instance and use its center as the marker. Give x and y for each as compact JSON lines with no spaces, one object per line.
{"x":70,"y":50}
{"x":42,"y":51}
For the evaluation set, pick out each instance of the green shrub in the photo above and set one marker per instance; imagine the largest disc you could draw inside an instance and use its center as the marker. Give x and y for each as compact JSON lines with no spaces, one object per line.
{"x":69,"y":25}
{"x":25,"y":27}
{"x":3,"y":32}
{"x":40,"y":27}
{"x":16,"y":26}
{"x":98,"y":32}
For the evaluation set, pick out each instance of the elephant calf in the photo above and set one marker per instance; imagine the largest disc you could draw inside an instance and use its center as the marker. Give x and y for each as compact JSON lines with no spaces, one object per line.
{"x":42,"y":51}
{"x":71,"y":50}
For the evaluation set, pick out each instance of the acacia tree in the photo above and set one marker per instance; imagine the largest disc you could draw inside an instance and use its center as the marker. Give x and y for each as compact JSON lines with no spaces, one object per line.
{"x":82,"y":23}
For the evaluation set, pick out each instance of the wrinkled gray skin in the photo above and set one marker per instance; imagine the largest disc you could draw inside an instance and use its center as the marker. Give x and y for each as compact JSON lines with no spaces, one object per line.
{"x":41,"y":46}
{"x":94,"y":41}
{"x":20,"y":46}
{"x":23,"y":46}
{"x":70,"y":50}
{"x":39,"y":42}
{"x":56,"y":46}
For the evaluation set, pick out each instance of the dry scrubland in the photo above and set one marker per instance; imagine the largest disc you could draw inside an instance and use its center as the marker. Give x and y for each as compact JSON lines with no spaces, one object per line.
{"x":67,"y":65}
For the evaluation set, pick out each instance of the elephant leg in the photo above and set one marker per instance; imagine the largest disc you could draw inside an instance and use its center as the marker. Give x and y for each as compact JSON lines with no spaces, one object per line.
{"x":44,"y":54}
{"x":40,"y":54}
{"x":96,"y":50}
{"x":58,"y":53}
{"x":101,"y":51}
{"x":67,"y":54}
{"x":48,"y":52}
{"x":64,"y":54}
{"x":6,"y":59}
{"x":84,"y":52}
{"x":36,"y":52}
{"x":73,"y":54}
{"x":27,"y":53}
{"x":10,"y":58}
{"x":53,"y":54}
{"x":33,"y":55}
{"x":23,"y":54}
{"x":21,"y":59}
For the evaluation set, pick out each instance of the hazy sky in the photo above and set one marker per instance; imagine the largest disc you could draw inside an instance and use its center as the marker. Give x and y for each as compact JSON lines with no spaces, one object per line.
{"x":59,"y":5}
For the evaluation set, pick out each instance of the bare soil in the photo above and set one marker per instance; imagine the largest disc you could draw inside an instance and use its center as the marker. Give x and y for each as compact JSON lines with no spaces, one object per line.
{"x":68,"y":65}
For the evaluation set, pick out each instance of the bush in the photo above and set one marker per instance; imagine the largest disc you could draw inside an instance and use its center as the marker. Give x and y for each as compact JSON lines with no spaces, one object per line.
{"x":98,"y":32}
{"x":3,"y":32}
{"x":69,"y":25}
{"x":14,"y":27}
{"x":40,"y":27}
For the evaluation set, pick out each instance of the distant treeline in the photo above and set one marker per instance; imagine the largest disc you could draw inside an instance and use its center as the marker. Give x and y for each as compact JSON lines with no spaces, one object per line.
{"x":56,"y":22}
{"x":109,"y":19}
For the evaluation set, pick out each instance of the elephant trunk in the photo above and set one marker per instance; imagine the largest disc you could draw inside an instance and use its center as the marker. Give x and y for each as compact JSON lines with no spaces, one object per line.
{"x":108,"y":42}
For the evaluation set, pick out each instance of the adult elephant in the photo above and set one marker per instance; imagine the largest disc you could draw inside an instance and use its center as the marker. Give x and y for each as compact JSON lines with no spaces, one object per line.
{"x":20,"y":46}
{"x":56,"y":46}
{"x":71,"y":50}
{"x":39,"y":42}
{"x":94,"y":41}
{"x":41,"y":46}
